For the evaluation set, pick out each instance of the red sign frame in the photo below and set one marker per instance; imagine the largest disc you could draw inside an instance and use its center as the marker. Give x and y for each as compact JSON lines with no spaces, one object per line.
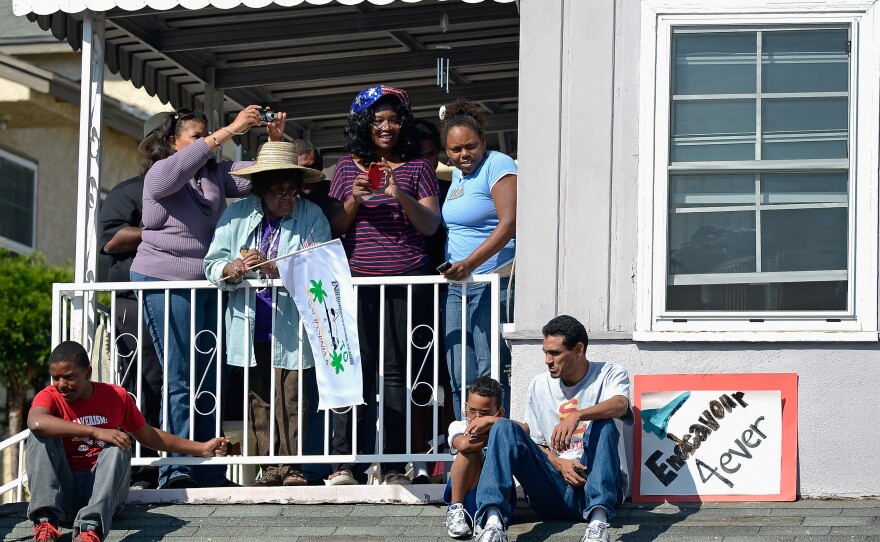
{"x":786,"y":383}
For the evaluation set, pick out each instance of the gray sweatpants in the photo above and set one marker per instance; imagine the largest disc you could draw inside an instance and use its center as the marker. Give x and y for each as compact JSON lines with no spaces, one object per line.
{"x":73,"y":497}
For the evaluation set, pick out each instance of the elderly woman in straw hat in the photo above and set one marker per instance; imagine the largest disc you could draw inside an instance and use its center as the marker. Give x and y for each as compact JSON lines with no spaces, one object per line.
{"x":261,"y":324}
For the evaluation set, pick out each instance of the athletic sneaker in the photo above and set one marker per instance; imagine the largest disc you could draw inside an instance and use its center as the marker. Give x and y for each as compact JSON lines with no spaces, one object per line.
{"x":88,"y":532}
{"x":44,"y":531}
{"x":456,"y":521}
{"x":493,"y":534}
{"x":597,"y":531}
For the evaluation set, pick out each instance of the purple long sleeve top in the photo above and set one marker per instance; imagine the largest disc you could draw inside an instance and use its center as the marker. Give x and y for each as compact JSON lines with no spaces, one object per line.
{"x":183,"y":201}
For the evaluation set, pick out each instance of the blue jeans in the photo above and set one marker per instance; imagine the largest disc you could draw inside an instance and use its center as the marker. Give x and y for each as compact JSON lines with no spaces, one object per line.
{"x":478,"y":337}
{"x":511,"y":452}
{"x":178,"y":343}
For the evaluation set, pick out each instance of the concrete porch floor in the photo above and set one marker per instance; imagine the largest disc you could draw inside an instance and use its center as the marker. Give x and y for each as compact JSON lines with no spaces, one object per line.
{"x":802,"y":521}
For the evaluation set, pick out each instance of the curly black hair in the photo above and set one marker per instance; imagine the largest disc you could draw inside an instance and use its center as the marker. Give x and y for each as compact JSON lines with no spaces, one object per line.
{"x":486,"y":386}
{"x":359,"y":139}
{"x":571,"y":331}
{"x":262,"y":181}
{"x":463,"y":112}
{"x":161,"y":147}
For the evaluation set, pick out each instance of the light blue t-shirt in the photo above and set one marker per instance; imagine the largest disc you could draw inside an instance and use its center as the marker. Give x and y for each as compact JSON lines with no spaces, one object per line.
{"x":469,"y":211}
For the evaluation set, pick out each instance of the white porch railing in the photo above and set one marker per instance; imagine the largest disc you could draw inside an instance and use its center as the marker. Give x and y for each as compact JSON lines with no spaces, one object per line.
{"x":424,"y":364}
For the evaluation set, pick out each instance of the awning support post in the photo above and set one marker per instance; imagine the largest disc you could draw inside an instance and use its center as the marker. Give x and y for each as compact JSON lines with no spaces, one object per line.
{"x":88,"y":173}
{"x":214,"y":105}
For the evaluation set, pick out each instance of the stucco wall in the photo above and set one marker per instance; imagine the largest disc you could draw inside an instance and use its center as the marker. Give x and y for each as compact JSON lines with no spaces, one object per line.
{"x":837,"y":406}
{"x":55,"y":150}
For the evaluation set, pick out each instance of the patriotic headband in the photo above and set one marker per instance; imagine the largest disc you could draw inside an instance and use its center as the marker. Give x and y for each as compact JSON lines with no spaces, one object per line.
{"x":369,"y":96}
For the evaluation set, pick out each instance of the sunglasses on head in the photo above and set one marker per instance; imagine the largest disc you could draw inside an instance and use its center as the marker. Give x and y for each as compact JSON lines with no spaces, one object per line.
{"x":185,"y":113}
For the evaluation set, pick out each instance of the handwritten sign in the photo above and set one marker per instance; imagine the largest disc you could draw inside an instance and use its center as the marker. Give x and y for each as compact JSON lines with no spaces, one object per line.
{"x":715,"y":437}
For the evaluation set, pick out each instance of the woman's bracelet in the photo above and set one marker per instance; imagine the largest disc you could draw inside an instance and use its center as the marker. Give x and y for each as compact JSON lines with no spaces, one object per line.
{"x":216,"y":142}
{"x":230,"y":132}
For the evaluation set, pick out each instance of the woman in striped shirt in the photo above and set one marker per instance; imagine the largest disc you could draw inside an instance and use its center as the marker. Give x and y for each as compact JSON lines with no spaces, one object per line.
{"x":384,"y":233}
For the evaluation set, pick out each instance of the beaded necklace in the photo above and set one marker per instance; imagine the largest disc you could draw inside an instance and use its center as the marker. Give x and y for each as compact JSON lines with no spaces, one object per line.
{"x":270,"y":248}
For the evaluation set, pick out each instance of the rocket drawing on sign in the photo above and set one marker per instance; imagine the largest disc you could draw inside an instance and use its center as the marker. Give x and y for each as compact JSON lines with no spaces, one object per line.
{"x":656,"y":420}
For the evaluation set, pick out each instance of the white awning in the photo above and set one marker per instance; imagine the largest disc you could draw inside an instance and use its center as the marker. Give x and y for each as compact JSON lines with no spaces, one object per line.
{"x":46,"y":7}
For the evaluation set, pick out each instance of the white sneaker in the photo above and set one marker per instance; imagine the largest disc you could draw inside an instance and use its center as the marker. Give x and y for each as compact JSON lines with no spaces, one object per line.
{"x":456,"y":521}
{"x":597,"y":532}
{"x":493,"y":534}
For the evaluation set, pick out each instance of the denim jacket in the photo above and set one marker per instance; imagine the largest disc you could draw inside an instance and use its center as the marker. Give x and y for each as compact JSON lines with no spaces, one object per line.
{"x":236,"y":228}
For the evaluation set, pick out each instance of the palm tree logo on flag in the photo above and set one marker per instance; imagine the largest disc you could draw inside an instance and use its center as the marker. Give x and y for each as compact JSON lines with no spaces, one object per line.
{"x":320,"y":280}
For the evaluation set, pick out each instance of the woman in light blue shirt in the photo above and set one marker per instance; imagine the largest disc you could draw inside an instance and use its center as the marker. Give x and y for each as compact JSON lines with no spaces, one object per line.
{"x":261,"y":328}
{"x":480,"y":216}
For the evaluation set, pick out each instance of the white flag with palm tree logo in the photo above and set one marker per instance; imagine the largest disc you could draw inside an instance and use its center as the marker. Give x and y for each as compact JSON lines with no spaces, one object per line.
{"x":319,"y":279}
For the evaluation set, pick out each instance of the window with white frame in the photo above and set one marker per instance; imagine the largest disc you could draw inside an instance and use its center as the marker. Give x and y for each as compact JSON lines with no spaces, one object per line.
{"x":757,"y":182}
{"x":18,"y":203}
{"x":743,"y":235}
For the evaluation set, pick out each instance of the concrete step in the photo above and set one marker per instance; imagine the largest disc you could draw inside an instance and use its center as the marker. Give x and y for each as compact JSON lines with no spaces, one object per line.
{"x":802,"y":521}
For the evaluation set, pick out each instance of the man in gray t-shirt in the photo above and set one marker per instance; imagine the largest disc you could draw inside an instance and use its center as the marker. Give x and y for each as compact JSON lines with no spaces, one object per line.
{"x":569,"y":458}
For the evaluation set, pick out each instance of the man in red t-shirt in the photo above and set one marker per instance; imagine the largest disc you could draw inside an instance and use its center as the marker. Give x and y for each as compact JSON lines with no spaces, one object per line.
{"x":79,"y":452}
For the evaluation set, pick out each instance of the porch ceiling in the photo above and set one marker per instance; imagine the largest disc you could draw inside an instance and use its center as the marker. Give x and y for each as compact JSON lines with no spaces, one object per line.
{"x":311,"y":60}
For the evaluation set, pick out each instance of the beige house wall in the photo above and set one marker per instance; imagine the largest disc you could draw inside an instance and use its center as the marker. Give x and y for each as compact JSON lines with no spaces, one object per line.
{"x":54,"y":146}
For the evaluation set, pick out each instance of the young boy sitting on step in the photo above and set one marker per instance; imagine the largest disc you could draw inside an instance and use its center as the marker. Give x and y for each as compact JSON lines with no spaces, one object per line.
{"x":467,"y":441}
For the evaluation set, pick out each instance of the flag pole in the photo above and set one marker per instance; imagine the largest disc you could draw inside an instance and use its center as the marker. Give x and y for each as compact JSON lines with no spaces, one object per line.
{"x":295,"y":252}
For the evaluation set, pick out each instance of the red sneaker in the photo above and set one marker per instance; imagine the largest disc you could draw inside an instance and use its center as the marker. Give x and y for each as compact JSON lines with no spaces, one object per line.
{"x":44,"y":531}
{"x":88,"y":532}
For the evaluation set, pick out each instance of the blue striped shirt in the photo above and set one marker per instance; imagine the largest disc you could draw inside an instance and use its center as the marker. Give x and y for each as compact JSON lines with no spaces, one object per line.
{"x":382,"y":240}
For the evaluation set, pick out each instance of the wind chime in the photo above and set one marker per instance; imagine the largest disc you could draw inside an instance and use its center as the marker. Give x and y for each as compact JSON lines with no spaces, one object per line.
{"x":442,"y":56}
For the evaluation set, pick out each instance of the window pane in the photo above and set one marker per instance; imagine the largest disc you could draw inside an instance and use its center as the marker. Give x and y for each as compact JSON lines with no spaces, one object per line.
{"x":803,"y":148}
{"x":713,"y":130}
{"x":714,"y":118}
{"x":806,"y":128}
{"x":782,"y":188}
{"x":711,"y":243}
{"x":804,"y":239}
{"x":805,"y":61}
{"x":722,"y":151}
{"x":722,"y":63}
{"x":758,"y":241}
{"x":17,"y":202}
{"x":782,"y":296}
{"x":689,"y":191}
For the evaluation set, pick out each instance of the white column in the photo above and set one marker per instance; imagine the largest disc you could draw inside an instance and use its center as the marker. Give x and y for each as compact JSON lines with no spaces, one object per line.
{"x":88,"y":172}
{"x":538,"y":229}
{"x":214,"y":105}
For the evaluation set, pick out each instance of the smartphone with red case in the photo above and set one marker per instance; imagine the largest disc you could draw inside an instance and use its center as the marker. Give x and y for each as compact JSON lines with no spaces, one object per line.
{"x":375,"y":176}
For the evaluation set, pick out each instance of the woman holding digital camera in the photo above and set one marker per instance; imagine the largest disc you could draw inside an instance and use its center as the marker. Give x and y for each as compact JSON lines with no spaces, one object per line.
{"x":384,"y":200}
{"x":480,"y":217}
{"x":185,"y":191}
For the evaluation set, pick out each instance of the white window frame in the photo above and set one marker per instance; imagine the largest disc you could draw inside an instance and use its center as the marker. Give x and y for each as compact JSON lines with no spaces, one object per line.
{"x":10,"y":244}
{"x":859,"y":322}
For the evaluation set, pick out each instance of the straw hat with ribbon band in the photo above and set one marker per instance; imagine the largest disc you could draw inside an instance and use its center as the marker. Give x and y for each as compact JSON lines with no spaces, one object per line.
{"x":275,"y":155}
{"x":369,"y":96}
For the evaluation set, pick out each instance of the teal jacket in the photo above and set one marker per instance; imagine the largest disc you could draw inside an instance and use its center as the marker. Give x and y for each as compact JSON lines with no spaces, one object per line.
{"x":236,"y":228}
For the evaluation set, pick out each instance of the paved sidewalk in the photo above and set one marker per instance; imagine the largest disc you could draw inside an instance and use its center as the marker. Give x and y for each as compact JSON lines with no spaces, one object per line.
{"x":806,"y":520}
